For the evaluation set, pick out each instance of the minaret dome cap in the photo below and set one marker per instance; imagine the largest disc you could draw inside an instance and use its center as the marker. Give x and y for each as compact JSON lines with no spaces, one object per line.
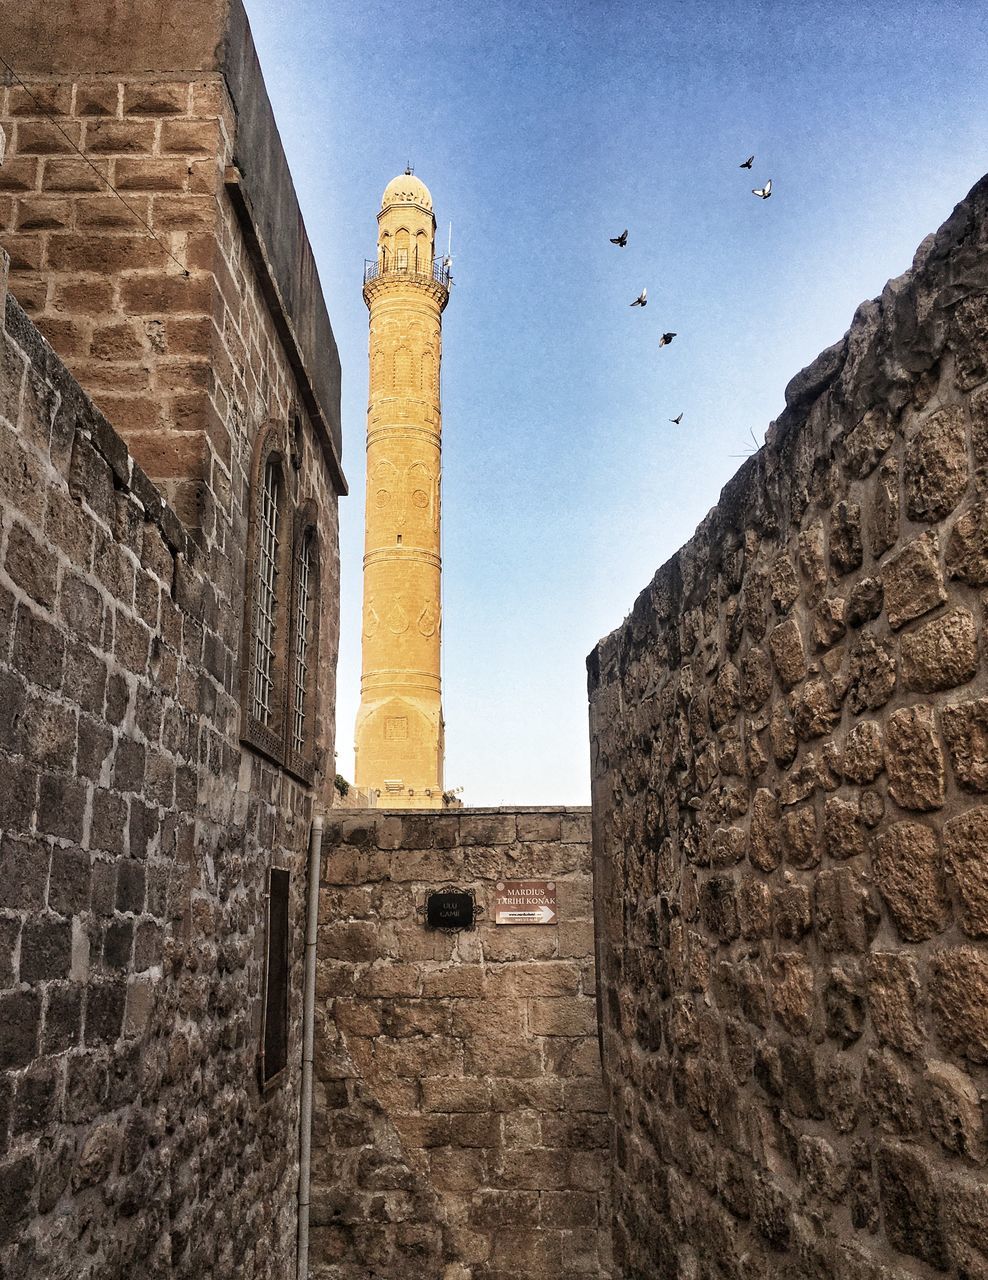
{"x":407,"y":189}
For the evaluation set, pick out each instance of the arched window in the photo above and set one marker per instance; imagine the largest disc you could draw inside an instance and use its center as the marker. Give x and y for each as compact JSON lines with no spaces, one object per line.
{"x":281,"y":609}
{"x":401,"y":249}
{"x":265,"y":597}
{"x":266,"y":625}
{"x":304,"y":644}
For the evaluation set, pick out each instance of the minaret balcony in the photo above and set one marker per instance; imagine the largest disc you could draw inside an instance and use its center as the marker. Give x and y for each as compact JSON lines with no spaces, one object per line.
{"x":438,"y":272}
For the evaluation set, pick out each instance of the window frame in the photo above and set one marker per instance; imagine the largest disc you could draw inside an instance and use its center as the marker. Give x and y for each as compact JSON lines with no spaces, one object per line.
{"x":267,"y":738}
{"x":301,"y":762}
{"x":277,"y":973}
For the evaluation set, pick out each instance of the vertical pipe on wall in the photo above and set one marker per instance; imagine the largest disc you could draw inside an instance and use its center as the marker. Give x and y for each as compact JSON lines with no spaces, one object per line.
{"x":308,"y":1039}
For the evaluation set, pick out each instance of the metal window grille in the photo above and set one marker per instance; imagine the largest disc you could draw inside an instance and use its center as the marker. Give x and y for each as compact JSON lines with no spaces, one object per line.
{"x":302,"y":643}
{"x":267,"y":600}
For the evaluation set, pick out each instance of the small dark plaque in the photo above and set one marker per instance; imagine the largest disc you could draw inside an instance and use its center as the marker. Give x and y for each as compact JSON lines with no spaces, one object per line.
{"x":450,"y":909}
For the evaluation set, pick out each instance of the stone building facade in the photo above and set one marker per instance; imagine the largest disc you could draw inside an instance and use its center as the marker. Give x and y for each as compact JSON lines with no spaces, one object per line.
{"x":790,"y":766}
{"x":460,"y":1129}
{"x":169,"y":475}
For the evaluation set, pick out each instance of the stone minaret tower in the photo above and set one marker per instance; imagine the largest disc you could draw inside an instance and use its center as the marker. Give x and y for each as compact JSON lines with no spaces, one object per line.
{"x":399,"y":735}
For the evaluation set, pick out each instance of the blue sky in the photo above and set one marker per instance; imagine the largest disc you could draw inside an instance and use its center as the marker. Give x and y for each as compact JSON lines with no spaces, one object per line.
{"x":541,"y":131}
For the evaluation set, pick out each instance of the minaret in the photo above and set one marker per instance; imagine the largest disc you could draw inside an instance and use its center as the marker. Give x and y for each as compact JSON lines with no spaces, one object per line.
{"x":399,"y":734}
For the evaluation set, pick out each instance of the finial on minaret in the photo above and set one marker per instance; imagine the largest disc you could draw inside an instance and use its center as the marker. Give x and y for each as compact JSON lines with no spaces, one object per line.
{"x":409,"y":169}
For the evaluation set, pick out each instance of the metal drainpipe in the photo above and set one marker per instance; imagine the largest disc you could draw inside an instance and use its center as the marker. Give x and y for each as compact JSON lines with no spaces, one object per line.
{"x":308,"y":1038}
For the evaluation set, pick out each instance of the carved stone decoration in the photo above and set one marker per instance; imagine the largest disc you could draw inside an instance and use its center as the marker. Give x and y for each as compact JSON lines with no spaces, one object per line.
{"x":427,"y":621}
{"x":397,"y":618}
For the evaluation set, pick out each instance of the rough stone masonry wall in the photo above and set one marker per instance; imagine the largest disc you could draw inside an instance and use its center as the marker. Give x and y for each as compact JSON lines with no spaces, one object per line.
{"x":790,"y":800}
{"x":459,"y":1130}
{"x":135,"y":835}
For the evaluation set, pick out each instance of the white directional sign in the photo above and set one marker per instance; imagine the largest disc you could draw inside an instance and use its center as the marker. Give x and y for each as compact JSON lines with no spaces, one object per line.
{"x":525,"y":902}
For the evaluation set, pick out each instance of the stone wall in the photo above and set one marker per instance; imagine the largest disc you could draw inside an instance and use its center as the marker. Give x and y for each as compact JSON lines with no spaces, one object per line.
{"x":135,"y":837}
{"x":188,"y":306}
{"x":459,"y":1130}
{"x":790,"y":768}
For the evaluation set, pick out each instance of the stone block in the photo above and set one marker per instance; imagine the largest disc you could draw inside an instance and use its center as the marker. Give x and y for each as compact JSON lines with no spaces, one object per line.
{"x":543,"y":978}
{"x":863,"y":758}
{"x":19,"y":1176}
{"x":965,"y":841}
{"x":719,"y":908}
{"x":913,"y":580}
{"x":845,"y":537}
{"x":800,"y":839}
{"x":575,"y":828}
{"x":156,"y":98}
{"x":959,"y":998}
{"x":844,"y":916}
{"x":539,"y":826}
{"x":46,"y":950}
{"x":62,"y":1018}
{"x":105,"y":1005}
{"x":967,"y":546}
{"x":845,"y":1005}
{"x":953,"y":1111}
{"x":765,"y":837}
{"x":893,"y":1000}
{"x":865,"y":601}
{"x":829,"y":622}
{"x":908,"y":871}
{"x":936,"y":466}
{"x":872,"y":674}
{"x":965,"y":728}
{"x":39,"y":650}
{"x":20,"y":1016}
{"x":562,"y":1016}
{"x":942,"y":653}
{"x":791,"y":911}
{"x":793,"y":992}
{"x":788,"y":654}
{"x":911,"y":1210}
{"x":110,"y":816}
{"x":756,"y":678}
{"x":24,"y":863}
{"x":487,"y":828}
{"x":913,"y":759}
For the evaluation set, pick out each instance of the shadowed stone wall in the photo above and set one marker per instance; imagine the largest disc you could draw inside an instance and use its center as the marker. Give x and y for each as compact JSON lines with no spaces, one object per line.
{"x":790,"y":768}
{"x":459,"y":1130}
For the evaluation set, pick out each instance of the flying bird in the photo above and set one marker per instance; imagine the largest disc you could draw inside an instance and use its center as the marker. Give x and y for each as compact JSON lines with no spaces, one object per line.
{"x":620,"y":240}
{"x":746,"y":164}
{"x":678,"y":420}
{"x":641,"y":300}
{"x":666,"y":339}
{"x":764,"y":192}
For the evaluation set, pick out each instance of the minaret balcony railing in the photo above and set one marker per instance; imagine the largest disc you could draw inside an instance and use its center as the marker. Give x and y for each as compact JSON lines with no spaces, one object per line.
{"x":440,"y":270}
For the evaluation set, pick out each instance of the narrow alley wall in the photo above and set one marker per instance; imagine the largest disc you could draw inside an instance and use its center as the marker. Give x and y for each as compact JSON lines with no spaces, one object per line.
{"x":459,"y":1130}
{"x":135,"y":837}
{"x":790,"y":826}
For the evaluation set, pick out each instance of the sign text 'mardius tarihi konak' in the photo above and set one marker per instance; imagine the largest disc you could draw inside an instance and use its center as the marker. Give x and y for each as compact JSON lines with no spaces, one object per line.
{"x":525,"y":902}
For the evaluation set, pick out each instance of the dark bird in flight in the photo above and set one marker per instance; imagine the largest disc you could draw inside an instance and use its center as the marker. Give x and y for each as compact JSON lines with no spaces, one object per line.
{"x":666,"y":339}
{"x":764,"y":192}
{"x":678,"y":420}
{"x":746,"y":164}
{"x":641,"y":300}
{"x":620,"y":240}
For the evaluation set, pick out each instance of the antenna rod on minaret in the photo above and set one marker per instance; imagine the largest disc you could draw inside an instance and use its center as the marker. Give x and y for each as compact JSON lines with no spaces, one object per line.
{"x":449,"y":246}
